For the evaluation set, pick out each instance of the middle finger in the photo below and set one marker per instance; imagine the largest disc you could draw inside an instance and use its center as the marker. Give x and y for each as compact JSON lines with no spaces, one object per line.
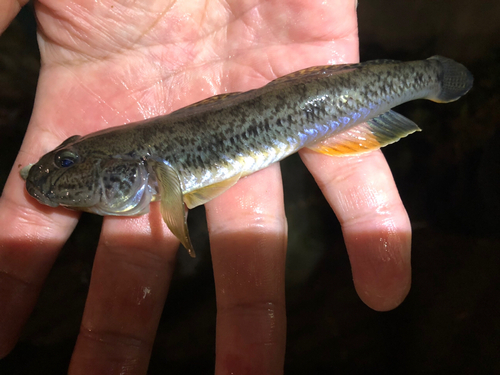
{"x":130,"y":279}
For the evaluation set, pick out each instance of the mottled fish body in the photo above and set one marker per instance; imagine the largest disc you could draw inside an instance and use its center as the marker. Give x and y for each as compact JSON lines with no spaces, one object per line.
{"x":196,"y":153}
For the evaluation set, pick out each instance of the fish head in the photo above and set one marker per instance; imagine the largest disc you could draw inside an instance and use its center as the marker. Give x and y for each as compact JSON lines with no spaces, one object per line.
{"x":74,"y":177}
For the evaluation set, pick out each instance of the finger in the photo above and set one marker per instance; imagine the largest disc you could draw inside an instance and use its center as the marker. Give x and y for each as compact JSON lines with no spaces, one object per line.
{"x":30,"y":239}
{"x":375,"y":224}
{"x":8,"y":10}
{"x":130,"y":278}
{"x":247,"y":229}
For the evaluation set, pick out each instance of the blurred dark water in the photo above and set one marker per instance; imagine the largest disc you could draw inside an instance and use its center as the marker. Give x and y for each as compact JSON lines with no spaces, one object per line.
{"x":449,"y":179}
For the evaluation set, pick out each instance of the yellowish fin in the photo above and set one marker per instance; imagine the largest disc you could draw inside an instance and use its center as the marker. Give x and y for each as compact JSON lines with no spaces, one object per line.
{"x":172,"y":207}
{"x":201,"y":196}
{"x":381,"y":131}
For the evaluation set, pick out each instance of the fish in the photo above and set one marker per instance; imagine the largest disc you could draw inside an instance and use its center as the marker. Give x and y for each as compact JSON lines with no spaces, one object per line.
{"x":188,"y":157}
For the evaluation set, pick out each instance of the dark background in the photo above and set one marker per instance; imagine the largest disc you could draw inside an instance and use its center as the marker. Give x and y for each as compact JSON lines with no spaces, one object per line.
{"x":449,"y":179}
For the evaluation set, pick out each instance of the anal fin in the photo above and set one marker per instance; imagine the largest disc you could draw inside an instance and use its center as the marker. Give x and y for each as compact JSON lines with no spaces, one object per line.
{"x":378,"y":132}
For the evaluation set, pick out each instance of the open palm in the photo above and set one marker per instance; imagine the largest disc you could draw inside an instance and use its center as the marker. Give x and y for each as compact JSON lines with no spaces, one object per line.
{"x":107,"y":63}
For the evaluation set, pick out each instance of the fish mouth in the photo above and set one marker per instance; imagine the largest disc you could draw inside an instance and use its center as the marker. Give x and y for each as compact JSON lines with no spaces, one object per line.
{"x":41,"y":197}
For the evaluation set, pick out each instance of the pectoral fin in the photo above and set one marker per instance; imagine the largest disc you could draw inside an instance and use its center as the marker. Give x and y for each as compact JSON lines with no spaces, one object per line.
{"x":201,"y":196}
{"x":172,"y":207}
{"x":378,"y":132}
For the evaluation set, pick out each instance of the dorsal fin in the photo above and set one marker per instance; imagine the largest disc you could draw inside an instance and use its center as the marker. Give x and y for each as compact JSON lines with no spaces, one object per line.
{"x":206,"y":104}
{"x":313,"y":71}
{"x":325,"y":70}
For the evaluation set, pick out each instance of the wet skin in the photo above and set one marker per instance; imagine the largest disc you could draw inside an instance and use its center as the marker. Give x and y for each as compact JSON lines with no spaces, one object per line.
{"x":106,"y":65}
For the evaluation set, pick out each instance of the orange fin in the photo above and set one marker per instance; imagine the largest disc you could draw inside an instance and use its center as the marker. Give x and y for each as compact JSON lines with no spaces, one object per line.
{"x":207,"y":193}
{"x":378,"y":132}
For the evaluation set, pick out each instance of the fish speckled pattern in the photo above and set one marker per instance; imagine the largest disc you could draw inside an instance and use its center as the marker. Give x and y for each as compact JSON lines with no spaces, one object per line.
{"x":208,"y":146}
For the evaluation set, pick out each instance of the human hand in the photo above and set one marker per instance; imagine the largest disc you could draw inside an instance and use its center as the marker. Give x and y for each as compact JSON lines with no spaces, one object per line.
{"x":108,"y":63}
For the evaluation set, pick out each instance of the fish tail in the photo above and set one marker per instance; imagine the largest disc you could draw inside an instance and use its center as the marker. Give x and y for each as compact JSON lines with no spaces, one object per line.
{"x":455,"y":79}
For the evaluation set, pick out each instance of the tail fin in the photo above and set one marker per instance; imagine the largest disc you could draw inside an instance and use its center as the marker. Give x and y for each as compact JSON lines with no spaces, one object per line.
{"x":456,"y":80}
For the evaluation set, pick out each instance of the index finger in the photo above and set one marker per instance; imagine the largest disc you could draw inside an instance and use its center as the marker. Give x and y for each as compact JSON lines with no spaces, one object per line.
{"x":30,"y":240}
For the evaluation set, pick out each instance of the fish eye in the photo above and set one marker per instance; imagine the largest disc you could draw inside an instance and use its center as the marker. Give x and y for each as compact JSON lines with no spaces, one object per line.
{"x":66,"y":158}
